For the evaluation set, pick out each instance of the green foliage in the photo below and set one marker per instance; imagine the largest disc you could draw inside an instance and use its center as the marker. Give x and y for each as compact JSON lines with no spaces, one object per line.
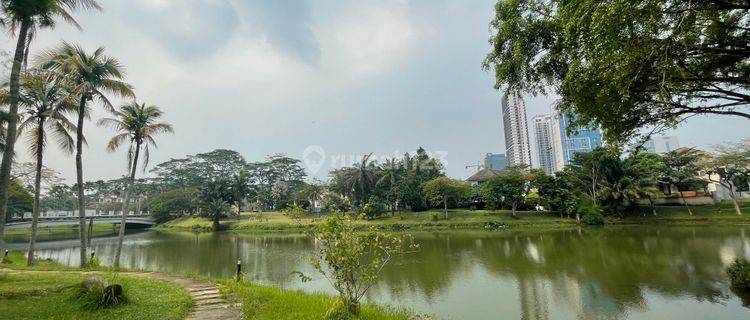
{"x":97,"y":294}
{"x":511,"y":187}
{"x":441,"y":190}
{"x":600,"y":57}
{"x":20,"y":200}
{"x":374,"y":207}
{"x":295,"y":212}
{"x":335,"y":202}
{"x":739,"y":274}
{"x":351,"y":260}
{"x":177,"y":201}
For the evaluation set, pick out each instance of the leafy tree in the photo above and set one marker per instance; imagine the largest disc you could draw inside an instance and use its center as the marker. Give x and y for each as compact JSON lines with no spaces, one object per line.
{"x":443,"y":189}
{"x":511,"y":186}
{"x":176,"y":201}
{"x":681,"y":169}
{"x":20,"y":200}
{"x":295,"y":212}
{"x":26,"y":17}
{"x":587,"y":170}
{"x":391,"y":174}
{"x":352,"y":261}
{"x":730,"y":168}
{"x":647,"y":167}
{"x":558,"y":193}
{"x":45,"y":103}
{"x":60,"y":197}
{"x":240,"y":188}
{"x":135,"y":124}
{"x":623,"y":64}
{"x":91,"y":74}
{"x":334,"y":202}
{"x":374,"y":207}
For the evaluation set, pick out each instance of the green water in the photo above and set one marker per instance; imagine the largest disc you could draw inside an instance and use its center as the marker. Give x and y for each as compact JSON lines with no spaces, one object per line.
{"x":611,"y":273}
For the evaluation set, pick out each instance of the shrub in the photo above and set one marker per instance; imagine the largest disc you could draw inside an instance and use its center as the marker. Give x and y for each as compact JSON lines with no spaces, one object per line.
{"x":739,"y":274}
{"x":374,"y":208}
{"x":98,"y":294}
{"x":177,"y":201}
{"x":593,"y":219}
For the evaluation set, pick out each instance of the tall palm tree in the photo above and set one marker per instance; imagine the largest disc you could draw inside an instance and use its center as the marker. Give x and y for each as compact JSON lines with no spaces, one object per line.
{"x":91,"y":74}
{"x":391,"y":170}
{"x":136,"y":124}
{"x":26,"y":16}
{"x":362,"y":178}
{"x":46,"y":101}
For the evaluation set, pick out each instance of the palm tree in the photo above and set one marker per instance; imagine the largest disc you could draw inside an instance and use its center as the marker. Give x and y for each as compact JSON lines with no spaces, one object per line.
{"x":26,"y":16}
{"x":137,"y":124}
{"x":240,"y":189}
{"x":362,"y":178}
{"x":91,"y":76}
{"x":46,"y":102}
{"x":391,"y":170}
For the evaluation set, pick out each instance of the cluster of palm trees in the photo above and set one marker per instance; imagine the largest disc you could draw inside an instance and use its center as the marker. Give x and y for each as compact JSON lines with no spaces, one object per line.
{"x":63,"y":82}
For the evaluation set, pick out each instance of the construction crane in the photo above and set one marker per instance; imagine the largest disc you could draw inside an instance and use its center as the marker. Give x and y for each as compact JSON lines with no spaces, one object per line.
{"x":479,"y":166}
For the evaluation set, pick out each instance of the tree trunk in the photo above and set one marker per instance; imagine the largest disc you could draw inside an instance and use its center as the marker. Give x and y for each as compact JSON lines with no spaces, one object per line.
{"x":653,"y":208}
{"x":10,"y":133}
{"x":445,"y":207}
{"x":733,"y":195}
{"x":685,"y":202}
{"x":79,"y":179}
{"x":125,"y":209}
{"x":37,"y":190}
{"x":513,"y":208}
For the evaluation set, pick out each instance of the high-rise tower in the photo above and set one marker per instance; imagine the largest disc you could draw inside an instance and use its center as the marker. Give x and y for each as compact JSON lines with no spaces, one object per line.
{"x":567,"y":139}
{"x":516,"y":129}
{"x":543,"y":137}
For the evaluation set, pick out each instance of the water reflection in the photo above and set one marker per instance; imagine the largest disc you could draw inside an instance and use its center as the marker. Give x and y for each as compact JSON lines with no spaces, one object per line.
{"x":612,"y":273}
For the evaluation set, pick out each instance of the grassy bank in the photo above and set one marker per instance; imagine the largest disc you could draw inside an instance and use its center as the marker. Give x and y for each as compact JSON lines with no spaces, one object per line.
{"x":54,"y":295}
{"x":268,"y":303}
{"x":21,"y":296}
{"x":466,"y":219}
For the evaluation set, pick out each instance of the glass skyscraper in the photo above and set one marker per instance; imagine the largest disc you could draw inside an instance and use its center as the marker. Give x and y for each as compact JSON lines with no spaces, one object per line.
{"x":567,"y":140}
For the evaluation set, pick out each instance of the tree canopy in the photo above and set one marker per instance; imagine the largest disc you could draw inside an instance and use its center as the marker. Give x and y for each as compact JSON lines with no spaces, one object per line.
{"x":624,"y":65}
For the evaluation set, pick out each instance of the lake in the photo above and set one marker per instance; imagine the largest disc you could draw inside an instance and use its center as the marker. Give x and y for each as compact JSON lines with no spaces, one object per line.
{"x":633,"y":272}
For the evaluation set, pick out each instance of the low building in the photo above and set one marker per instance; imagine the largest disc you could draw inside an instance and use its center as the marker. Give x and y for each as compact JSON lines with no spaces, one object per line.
{"x":482,"y":175}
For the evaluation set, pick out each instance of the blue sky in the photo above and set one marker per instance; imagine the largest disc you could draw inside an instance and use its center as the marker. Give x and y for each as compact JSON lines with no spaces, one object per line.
{"x":350,"y":77}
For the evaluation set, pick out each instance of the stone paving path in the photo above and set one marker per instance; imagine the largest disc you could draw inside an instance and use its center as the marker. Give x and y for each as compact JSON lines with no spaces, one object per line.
{"x":208,"y":302}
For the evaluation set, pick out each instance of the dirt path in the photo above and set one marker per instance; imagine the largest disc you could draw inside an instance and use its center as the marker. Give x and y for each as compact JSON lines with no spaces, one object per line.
{"x":208,"y":302}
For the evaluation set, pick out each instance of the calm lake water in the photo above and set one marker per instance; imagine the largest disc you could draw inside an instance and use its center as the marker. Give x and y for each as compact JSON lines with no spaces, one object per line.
{"x":606,"y":273}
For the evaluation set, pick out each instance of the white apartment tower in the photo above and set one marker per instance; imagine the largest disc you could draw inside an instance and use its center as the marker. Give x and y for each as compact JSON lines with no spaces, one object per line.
{"x":543,"y":134}
{"x":516,"y":129}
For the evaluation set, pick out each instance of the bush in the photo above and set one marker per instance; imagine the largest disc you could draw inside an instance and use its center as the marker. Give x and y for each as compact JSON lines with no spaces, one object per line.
{"x":593,"y":219}
{"x":98,"y":294}
{"x":739,"y":274}
{"x":177,"y":201}
{"x":374,"y":208}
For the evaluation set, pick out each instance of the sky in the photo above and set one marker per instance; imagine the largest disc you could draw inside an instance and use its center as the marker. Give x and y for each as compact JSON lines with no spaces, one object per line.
{"x":322,"y":81}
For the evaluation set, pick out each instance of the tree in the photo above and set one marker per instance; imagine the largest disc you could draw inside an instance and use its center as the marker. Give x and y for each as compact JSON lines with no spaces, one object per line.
{"x":20,"y":200}
{"x":214,"y":196}
{"x":624,"y":65}
{"x":730,"y":168}
{"x":176,"y":201}
{"x":362,"y":179}
{"x":681,"y":169}
{"x":391,"y":172}
{"x":137,"y":125}
{"x":240,"y":189}
{"x":351,"y":260}
{"x":310,"y":192}
{"x":647,"y":166}
{"x":92,"y":75}
{"x":587,"y":170}
{"x":60,"y":197}
{"x":26,"y":17}
{"x":444,"y":189}
{"x":558,"y":193}
{"x":45,"y":102}
{"x":511,"y":186}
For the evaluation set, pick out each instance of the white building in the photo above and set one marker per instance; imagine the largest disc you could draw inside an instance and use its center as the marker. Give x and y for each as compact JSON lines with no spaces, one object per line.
{"x":516,"y":129}
{"x":543,"y":137}
{"x":661,"y":144}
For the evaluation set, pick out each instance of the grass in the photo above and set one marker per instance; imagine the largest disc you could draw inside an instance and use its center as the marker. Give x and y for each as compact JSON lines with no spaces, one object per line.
{"x":261,"y":303}
{"x":54,"y":295}
{"x":467,"y":219}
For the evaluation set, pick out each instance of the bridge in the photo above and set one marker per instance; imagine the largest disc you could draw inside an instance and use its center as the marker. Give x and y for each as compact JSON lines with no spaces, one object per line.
{"x":131,"y":220}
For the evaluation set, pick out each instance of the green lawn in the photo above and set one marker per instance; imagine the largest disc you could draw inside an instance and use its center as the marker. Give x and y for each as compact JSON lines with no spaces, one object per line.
{"x":54,"y":296}
{"x":267,"y":303}
{"x":466,"y":219}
